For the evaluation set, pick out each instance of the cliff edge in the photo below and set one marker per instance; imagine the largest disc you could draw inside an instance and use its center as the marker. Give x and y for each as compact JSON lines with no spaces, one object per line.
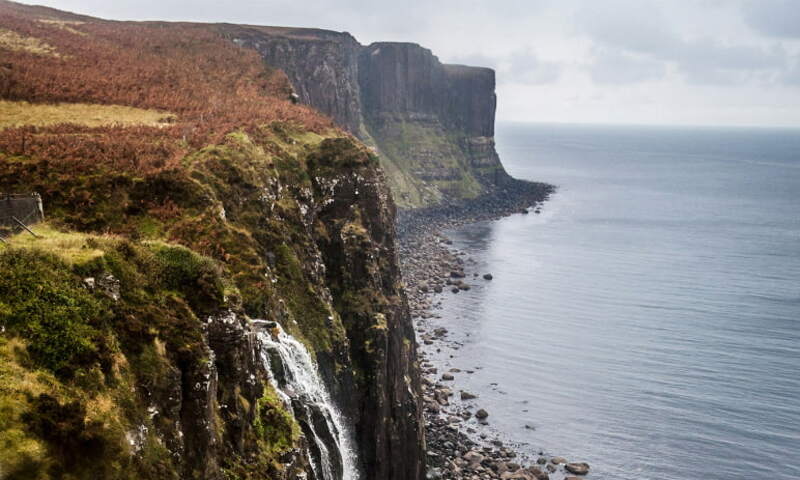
{"x":196,"y":219}
{"x":432,"y":123}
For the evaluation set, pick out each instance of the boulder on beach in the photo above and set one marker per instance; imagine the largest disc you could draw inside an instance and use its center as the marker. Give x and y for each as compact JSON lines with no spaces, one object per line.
{"x":537,"y":473}
{"x":481,"y":414}
{"x":578,"y":468}
{"x":558,"y":460}
{"x":467,"y":395}
{"x":473,"y":458}
{"x":447,"y":376}
{"x":488,"y":276}
{"x":517,"y":475}
{"x":455,"y":290}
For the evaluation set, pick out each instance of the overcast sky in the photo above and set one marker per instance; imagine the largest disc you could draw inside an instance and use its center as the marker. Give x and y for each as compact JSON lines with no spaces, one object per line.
{"x":689,"y":62}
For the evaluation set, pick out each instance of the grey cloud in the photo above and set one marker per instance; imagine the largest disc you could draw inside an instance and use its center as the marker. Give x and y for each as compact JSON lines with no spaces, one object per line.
{"x":520,"y":66}
{"x":639,"y":28}
{"x":792,"y":75}
{"x":707,"y":62}
{"x":616,"y":67}
{"x":526,"y":67}
{"x":776,"y":18}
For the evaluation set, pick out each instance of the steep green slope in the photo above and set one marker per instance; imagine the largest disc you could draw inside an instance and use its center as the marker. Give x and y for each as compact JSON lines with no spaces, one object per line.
{"x":296,"y":227}
{"x":127,"y":347}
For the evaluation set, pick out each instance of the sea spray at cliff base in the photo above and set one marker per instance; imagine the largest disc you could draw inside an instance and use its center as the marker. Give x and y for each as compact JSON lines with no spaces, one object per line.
{"x":294,"y":375}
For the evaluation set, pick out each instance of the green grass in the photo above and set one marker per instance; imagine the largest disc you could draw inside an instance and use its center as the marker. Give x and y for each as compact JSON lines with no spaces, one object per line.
{"x":228,"y":228}
{"x":275,"y":427}
{"x":400,"y":142}
{"x":71,"y":247}
{"x":67,"y":395}
{"x":42,"y":301}
{"x":22,"y":455}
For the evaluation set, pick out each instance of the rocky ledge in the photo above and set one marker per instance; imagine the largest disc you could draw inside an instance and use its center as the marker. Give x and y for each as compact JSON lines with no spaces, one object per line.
{"x":431,"y":267}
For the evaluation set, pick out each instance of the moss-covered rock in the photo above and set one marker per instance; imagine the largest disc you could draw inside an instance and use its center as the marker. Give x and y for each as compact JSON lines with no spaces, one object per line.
{"x":274,"y":223}
{"x":104,"y":341}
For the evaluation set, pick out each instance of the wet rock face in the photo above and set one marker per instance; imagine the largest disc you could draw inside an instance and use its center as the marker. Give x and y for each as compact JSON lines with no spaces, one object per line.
{"x":359,"y":254}
{"x":343,"y":237}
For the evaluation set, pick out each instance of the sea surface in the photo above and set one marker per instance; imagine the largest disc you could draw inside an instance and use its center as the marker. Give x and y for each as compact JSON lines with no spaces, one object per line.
{"x":648,"y":320}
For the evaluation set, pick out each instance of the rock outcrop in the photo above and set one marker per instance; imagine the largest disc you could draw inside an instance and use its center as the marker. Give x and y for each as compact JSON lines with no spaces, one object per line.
{"x":432,"y":123}
{"x":303,"y":237}
{"x":322,"y":66}
{"x":128,"y":339}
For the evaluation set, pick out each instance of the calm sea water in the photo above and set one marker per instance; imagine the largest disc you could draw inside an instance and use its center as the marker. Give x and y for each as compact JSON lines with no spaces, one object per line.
{"x":648,"y":321}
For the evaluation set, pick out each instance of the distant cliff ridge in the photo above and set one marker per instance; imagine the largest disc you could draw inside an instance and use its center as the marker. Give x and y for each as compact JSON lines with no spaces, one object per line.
{"x":432,"y":123}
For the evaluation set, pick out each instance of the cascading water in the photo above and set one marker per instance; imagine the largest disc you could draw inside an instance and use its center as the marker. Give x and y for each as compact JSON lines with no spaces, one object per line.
{"x":294,"y":375}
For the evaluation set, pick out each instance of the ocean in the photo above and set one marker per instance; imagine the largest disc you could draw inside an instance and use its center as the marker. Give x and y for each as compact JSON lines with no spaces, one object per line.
{"x":648,"y":320}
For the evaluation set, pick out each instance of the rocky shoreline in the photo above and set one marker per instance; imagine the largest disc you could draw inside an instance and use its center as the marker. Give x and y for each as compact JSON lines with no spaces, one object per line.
{"x":456,"y":446}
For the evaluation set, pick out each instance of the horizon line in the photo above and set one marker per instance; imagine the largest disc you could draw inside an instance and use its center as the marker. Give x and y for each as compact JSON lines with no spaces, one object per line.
{"x":652,"y":125}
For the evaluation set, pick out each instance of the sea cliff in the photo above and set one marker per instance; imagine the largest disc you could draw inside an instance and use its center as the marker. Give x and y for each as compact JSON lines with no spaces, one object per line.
{"x":431,"y":123}
{"x":209,"y":241}
{"x":187,"y":220}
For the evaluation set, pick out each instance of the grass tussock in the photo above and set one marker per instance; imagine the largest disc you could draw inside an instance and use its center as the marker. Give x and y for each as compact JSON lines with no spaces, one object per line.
{"x":11,"y":40}
{"x":72,"y":247}
{"x":17,"y":114}
{"x":65,"y":25}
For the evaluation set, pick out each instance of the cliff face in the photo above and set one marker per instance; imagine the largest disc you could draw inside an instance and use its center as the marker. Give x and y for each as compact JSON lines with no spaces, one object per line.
{"x":130,"y":331}
{"x":302,"y":236}
{"x":322,"y":68}
{"x":404,"y":78}
{"x":433,"y":124}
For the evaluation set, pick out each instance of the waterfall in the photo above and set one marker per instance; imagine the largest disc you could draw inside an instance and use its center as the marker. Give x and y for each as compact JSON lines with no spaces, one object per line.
{"x":296,"y":378}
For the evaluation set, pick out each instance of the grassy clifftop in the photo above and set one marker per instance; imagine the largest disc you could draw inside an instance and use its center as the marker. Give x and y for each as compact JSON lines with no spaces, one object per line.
{"x":185,"y":195}
{"x":92,"y":327}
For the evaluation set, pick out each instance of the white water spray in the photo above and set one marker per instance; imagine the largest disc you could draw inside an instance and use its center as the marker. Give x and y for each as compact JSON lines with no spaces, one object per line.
{"x":301,"y":387}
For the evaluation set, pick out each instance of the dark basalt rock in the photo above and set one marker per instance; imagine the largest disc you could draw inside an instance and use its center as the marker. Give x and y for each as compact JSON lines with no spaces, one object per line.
{"x":371,"y":90}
